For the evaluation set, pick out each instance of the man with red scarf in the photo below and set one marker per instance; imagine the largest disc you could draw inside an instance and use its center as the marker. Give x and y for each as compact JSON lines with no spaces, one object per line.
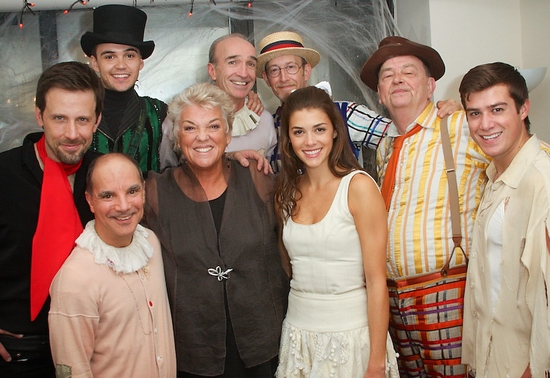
{"x":42,"y":211}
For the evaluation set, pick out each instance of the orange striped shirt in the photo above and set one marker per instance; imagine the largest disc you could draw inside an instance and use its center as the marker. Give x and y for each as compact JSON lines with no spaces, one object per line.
{"x":419,"y":217}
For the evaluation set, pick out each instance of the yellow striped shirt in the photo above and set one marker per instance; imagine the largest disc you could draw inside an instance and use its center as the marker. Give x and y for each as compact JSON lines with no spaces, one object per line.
{"x":419,"y":217}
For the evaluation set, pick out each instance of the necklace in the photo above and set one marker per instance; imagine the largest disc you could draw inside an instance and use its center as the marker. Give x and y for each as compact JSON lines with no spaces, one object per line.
{"x":149,"y":303}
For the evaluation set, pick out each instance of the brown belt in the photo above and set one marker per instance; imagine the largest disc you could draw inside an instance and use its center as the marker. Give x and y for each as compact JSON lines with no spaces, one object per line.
{"x":402,"y":282}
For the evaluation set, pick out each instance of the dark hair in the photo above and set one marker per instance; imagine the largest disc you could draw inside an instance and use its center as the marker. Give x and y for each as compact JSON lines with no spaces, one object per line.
{"x":94,"y":51}
{"x":341,"y":159}
{"x":488,"y":75}
{"x":93,"y":165}
{"x":71,"y":76}
{"x":214,"y":45}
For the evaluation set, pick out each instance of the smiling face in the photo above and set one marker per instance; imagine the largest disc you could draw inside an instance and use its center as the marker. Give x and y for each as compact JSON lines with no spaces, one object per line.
{"x":283,"y":84}
{"x":234,"y":68}
{"x":69,"y":121}
{"x":118,"y":65}
{"x":403,"y":85}
{"x":496,"y":124}
{"x":311,"y":135}
{"x":203,"y":136}
{"x":116,"y":199}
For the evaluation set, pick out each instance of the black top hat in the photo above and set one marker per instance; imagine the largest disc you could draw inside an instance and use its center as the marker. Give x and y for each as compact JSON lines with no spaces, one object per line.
{"x":118,"y":24}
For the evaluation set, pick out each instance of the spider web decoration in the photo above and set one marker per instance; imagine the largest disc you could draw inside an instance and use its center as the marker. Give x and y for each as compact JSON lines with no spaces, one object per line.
{"x":345,"y":33}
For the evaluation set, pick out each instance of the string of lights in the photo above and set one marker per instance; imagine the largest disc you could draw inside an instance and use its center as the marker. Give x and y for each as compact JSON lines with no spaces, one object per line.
{"x":26,"y":6}
{"x":83,"y":2}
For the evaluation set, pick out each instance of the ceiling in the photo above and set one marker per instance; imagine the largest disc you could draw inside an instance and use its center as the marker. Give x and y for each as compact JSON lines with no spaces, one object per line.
{"x":17,"y":5}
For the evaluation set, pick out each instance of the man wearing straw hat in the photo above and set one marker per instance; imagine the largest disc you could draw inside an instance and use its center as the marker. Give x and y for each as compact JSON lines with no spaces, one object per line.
{"x":430,"y":220}
{"x":130,"y":124}
{"x":285,"y":64}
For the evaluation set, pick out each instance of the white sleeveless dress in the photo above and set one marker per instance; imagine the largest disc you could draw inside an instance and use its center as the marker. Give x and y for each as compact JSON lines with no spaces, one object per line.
{"x":325,"y":332}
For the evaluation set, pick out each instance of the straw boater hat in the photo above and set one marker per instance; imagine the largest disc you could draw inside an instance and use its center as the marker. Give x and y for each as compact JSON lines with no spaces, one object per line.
{"x":284,"y":43}
{"x":391,"y":47}
{"x":119,"y":24}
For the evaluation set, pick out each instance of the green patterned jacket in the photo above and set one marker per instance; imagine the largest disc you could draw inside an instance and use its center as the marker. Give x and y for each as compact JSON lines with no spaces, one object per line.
{"x":142,"y":139}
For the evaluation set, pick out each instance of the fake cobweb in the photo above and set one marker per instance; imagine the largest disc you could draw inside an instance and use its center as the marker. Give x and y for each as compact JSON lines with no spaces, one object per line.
{"x":345,"y":32}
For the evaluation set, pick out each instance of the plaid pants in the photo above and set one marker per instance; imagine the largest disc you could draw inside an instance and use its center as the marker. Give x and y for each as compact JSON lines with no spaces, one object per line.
{"x":426,"y":324}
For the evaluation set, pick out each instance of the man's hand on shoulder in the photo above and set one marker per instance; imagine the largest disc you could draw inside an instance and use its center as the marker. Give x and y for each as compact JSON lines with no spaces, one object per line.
{"x":243,"y":156}
{"x":254,"y":103}
{"x":447,"y":107}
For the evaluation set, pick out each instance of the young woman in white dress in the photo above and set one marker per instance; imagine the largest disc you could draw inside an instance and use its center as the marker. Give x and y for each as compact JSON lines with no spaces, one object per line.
{"x":334,"y":234}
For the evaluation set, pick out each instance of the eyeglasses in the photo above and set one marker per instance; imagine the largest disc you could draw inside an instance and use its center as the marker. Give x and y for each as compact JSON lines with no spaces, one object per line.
{"x":291,"y":69}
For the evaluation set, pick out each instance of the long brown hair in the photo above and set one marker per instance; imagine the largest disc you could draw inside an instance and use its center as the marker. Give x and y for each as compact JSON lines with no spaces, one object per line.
{"x":341,"y":159}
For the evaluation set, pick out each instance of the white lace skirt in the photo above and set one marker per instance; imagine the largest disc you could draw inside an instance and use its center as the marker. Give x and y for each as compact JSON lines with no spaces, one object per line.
{"x":328,"y":336}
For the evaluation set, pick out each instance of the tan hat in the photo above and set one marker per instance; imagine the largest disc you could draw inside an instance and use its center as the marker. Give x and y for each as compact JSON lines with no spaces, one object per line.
{"x":284,"y":43}
{"x":394,"y":46}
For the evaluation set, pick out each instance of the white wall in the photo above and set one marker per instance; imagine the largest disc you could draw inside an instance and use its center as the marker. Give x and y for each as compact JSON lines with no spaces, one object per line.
{"x":535,"y":39}
{"x":413,"y":20}
{"x":471,"y":32}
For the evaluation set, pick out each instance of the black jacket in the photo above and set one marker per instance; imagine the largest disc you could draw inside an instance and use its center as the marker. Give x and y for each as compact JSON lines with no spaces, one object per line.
{"x":20,"y":186}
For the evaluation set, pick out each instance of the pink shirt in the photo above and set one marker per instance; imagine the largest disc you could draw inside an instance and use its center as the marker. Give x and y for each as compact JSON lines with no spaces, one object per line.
{"x":104,"y":324}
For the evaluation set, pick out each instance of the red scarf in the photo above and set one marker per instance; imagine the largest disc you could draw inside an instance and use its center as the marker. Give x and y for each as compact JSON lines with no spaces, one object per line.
{"x":58,"y":227}
{"x":389,"y":177}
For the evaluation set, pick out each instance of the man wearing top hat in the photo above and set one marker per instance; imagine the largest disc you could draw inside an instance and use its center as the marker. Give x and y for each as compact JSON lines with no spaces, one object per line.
{"x":130,"y":124}
{"x":285,"y":64}
{"x":426,"y":325}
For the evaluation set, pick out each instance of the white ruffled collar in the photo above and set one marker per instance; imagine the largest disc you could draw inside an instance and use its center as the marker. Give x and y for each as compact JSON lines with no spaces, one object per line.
{"x":122,"y":260}
{"x":245,"y":120}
